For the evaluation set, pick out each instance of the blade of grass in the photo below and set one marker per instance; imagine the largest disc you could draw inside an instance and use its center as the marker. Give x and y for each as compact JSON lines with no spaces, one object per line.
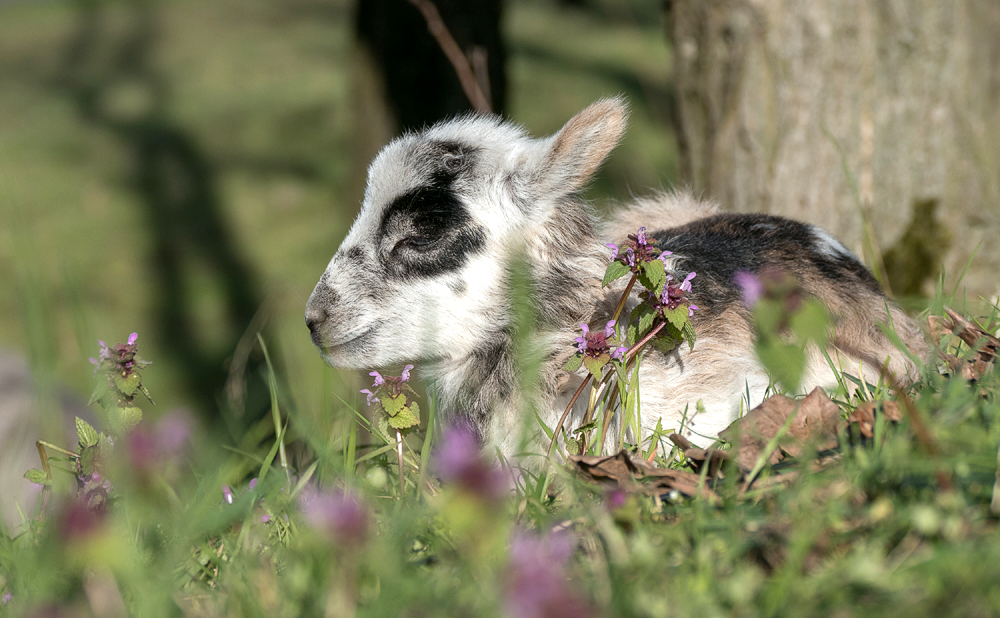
{"x":272,"y":385}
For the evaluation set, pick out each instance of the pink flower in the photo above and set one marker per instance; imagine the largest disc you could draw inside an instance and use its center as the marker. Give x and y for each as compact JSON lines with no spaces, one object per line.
{"x":537,"y":585}
{"x":339,"y":515}
{"x":751,"y":286}
{"x":227,"y":494}
{"x":458,"y":461}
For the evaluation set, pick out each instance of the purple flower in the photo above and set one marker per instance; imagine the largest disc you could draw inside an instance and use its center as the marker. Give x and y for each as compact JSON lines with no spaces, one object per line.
{"x":619,"y":352}
{"x":751,"y":286}
{"x":227,"y":494}
{"x":132,"y":338}
{"x":405,"y":376}
{"x":458,"y":461}
{"x":640,"y":237}
{"x":369,"y":395}
{"x":616,"y":498}
{"x":686,"y":284}
{"x":379,"y":380}
{"x":664,"y":255}
{"x":614,"y":249}
{"x":339,"y":515}
{"x":6,"y":598}
{"x":253,"y":484}
{"x":536,"y":582}
{"x":265,"y":518}
{"x":630,"y":257}
{"x":79,"y":521}
{"x":597,"y":343}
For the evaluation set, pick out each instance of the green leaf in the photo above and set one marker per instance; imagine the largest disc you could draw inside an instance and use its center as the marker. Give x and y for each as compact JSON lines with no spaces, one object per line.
{"x":811,"y":322}
{"x":585,"y":428}
{"x":616,"y":270}
{"x":653,"y":276}
{"x":128,"y":386}
{"x":392,"y":405}
{"x":785,"y":362}
{"x":689,"y":335}
{"x":574,"y":363}
{"x":596,"y":365}
{"x":404,"y":419}
{"x":124,"y":419}
{"x":646,"y":317}
{"x":678,"y":316}
{"x":88,"y":456}
{"x":664,"y":344}
{"x":37,"y":476}
{"x":383,"y":426}
{"x":85,"y":434}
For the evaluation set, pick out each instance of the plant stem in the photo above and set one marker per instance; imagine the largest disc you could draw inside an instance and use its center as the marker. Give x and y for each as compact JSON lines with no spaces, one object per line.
{"x":642,"y":342}
{"x":399,"y":455}
{"x":621,"y":301}
{"x":562,"y":419}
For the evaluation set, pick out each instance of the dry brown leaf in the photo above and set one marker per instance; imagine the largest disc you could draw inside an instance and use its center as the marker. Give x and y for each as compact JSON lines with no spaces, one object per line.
{"x":864,"y":416}
{"x":816,"y":420}
{"x":987,"y":346}
{"x":639,"y":476}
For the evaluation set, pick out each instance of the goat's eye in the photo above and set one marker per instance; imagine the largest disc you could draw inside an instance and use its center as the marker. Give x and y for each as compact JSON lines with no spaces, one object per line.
{"x":420,"y":243}
{"x":452,"y":162}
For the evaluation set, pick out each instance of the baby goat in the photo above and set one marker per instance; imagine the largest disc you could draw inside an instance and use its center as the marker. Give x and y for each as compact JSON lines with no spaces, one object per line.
{"x":454,"y":215}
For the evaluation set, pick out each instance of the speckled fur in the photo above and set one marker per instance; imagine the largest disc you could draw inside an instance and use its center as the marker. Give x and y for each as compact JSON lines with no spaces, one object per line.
{"x":470,"y":223}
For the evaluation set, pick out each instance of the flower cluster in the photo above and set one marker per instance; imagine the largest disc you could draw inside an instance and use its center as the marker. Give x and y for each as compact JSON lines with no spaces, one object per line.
{"x":121,"y":364}
{"x":389,"y":394}
{"x":595,"y":349}
{"x":639,"y":249}
{"x":674,"y":295}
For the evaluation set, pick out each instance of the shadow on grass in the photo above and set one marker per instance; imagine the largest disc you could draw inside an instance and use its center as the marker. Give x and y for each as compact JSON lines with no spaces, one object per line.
{"x":108,"y":75}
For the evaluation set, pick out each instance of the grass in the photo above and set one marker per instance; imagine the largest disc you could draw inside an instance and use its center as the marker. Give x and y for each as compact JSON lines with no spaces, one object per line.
{"x":871,"y":533}
{"x":263,"y":89}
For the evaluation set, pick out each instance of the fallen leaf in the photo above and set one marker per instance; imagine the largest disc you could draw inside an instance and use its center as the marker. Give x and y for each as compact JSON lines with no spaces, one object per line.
{"x":864,"y":415}
{"x":638,"y":476}
{"x":816,"y":419}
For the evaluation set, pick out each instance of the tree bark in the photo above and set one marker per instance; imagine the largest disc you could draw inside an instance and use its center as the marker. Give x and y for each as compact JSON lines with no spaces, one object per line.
{"x":878,"y":120}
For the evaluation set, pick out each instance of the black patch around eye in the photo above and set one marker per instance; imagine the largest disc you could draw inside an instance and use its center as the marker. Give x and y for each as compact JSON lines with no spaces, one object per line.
{"x":447,"y":255}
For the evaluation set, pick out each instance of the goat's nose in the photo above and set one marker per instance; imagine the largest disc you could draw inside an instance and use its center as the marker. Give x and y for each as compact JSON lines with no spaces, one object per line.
{"x":315,"y":316}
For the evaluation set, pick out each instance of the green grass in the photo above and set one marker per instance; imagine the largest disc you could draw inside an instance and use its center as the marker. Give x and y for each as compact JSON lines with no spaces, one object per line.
{"x":264,"y":90}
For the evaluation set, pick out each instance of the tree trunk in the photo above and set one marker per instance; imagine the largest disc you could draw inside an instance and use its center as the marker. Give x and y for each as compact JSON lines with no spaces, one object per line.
{"x":419,"y":81}
{"x":876,"y":119}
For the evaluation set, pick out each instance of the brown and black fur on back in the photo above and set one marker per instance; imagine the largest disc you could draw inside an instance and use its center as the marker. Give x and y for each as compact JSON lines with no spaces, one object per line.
{"x":718,"y":247}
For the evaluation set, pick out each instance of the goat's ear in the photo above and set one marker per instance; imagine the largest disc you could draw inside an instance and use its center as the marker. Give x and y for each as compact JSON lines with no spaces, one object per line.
{"x":579,"y":148}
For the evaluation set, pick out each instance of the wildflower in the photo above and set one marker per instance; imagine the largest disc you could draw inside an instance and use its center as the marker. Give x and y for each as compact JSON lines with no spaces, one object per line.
{"x":636,"y":250}
{"x":7,"y":596}
{"x":340,"y":515}
{"x":537,"y":585}
{"x":79,"y":521}
{"x":595,"y":344}
{"x":392,"y":383}
{"x":227,"y":494}
{"x":674,"y":294}
{"x":253,"y":484}
{"x":751,"y":286}
{"x":458,"y":461}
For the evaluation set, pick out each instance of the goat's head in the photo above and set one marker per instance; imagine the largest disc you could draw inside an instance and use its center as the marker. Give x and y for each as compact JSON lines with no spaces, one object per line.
{"x":421,"y":272}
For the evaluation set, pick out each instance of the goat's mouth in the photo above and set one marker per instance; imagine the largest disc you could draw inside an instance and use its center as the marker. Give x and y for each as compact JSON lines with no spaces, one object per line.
{"x":346,"y":344}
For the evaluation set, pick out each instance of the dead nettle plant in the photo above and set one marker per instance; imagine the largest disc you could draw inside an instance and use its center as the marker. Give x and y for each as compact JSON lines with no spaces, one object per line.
{"x":611,"y":352}
{"x":119,"y":385}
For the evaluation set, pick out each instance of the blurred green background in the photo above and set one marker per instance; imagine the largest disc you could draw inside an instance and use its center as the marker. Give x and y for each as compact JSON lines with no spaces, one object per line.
{"x":183,"y":169}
